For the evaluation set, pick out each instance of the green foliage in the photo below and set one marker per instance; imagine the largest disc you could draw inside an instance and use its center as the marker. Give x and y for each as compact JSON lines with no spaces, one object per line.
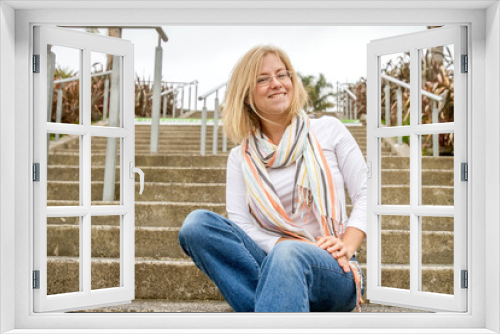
{"x":319,"y":91}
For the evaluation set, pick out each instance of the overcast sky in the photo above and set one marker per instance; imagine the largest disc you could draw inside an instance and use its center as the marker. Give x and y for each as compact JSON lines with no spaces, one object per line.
{"x":208,"y":53}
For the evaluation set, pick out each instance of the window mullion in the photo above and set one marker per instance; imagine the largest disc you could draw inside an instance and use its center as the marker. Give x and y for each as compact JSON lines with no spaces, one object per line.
{"x":85,"y":185}
{"x":415,"y":268}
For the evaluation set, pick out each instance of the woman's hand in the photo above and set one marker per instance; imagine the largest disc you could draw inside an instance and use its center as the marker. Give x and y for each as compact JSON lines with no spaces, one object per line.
{"x":337,"y":249}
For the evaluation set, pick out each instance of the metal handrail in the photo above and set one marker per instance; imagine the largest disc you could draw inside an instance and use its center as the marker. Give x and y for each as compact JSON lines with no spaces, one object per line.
{"x":98,"y":74}
{"x":435,"y":108}
{"x":204,"y":96}
{"x":174,"y":89}
{"x":351,"y":94}
{"x":216,"y":121}
{"x":407,"y":86}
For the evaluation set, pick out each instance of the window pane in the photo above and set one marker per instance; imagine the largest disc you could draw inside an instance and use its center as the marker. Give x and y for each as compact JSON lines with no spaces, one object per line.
{"x":437,"y":254}
{"x":106,"y":72}
{"x":437,"y":169}
{"x":395,"y":251}
{"x":106,"y":253}
{"x":395,"y":90}
{"x":63,"y":84}
{"x":63,"y":170}
{"x":63,"y":251}
{"x":106,"y":175}
{"x":437,"y":84}
{"x":395,"y":171}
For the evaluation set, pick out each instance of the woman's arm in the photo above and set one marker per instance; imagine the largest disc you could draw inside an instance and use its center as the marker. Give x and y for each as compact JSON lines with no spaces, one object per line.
{"x":236,"y":205}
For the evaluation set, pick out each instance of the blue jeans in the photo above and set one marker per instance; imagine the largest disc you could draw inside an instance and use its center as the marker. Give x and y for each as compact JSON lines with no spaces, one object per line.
{"x":294,"y":277}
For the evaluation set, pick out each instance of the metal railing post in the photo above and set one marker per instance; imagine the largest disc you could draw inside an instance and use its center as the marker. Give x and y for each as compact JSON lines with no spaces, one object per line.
{"x":203,"y":127}
{"x":387,"y":91}
{"x":349,"y":108}
{"x":182,"y":101}
{"x":435,"y":137}
{"x":216,"y":124}
{"x":189,"y":98}
{"x":400,"y":111}
{"x":106,"y":99}
{"x":58,"y":108}
{"x":155,"y":117}
{"x":108,"y":192}
{"x":174,"y":99}
{"x":355,"y":109}
{"x":196,"y":96}
{"x":165,"y":107}
{"x":338,"y":104}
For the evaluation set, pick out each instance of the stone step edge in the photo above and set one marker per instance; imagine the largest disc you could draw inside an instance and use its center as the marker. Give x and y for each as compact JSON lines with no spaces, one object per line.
{"x":208,"y":306}
{"x":187,"y":184}
{"x":145,"y":167}
{"x":178,"y":228}
{"x":188,"y":262}
{"x":143,"y":203}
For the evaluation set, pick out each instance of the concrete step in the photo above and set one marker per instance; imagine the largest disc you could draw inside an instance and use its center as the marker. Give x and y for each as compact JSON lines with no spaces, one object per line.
{"x":220,"y":160}
{"x":218,"y":175}
{"x":147,"y":159}
{"x":216,"y":192}
{"x":213,"y":306}
{"x":172,"y":214}
{"x":166,"y":306}
{"x":169,"y":279}
{"x":180,"y":279}
{"x":152,"y":174}
{"x":430,"y":177}
{"x":160,"y":242}
{"x":146,"y":147}
{"x":147,"y":214}
{"x":164,"y":141}
{"x":153,"y":191}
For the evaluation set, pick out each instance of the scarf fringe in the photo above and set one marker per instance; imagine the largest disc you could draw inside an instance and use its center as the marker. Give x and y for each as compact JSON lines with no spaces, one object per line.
{"x":358,"y":279}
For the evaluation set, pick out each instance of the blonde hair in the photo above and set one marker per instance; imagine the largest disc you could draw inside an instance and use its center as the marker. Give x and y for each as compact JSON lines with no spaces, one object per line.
{"x":239,"y":111}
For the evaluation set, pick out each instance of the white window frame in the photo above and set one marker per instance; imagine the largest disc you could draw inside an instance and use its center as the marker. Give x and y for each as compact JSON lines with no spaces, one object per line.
{"x":85,"y":298}
{"x":484,"y":213}
{"x":414,"y":43}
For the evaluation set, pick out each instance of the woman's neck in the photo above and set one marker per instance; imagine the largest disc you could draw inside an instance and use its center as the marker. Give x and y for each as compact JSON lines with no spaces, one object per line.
{"x":274,"y":131}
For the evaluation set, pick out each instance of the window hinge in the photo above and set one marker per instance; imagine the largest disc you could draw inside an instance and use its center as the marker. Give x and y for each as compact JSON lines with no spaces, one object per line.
{"x":465,"y":171}
{"x":465,"y":64}
{"x":36,"y":279}
{"x":36,"y":63}
{"x":36,"y":172}
{"x":465,"y":279}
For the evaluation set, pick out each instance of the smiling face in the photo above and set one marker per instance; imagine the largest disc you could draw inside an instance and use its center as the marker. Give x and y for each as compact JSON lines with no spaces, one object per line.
{"x":272,"y":98}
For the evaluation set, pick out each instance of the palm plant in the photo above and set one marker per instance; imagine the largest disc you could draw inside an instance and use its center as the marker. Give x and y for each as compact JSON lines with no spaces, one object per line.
{"x":319,"y":92}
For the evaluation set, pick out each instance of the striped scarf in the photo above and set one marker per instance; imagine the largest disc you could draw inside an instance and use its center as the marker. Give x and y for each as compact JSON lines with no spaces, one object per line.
{"x":314,"y":186}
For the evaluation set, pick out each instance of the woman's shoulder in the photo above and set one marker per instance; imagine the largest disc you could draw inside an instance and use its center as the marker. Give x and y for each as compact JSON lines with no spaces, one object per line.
{"x":235,"y":154}
{"x":326,"y":125}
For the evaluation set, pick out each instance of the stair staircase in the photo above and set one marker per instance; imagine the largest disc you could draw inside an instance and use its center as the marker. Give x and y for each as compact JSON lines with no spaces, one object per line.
{"x":178,"y":181}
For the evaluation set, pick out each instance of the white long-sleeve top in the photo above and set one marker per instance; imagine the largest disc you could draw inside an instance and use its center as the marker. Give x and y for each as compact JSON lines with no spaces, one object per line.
{"x":345,"y":161}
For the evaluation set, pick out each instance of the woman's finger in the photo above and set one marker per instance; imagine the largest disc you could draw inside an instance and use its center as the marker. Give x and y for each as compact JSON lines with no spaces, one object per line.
{"x":326,"y":242}
{"x":322,"y":240}
{"x":336,"y":248}
{"x":342,"y":252}
{"x":344,"y":264}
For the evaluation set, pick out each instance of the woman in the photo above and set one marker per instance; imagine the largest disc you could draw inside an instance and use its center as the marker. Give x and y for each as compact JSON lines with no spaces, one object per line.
{"x":288,"y":245}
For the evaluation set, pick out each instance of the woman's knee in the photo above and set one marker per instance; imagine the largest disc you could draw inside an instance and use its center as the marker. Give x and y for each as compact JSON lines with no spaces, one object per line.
{"x":194,"y":226}
{"x":289,"y":254}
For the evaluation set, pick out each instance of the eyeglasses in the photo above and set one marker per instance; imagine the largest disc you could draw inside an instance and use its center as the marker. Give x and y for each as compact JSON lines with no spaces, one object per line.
{"x":283,"y":76}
